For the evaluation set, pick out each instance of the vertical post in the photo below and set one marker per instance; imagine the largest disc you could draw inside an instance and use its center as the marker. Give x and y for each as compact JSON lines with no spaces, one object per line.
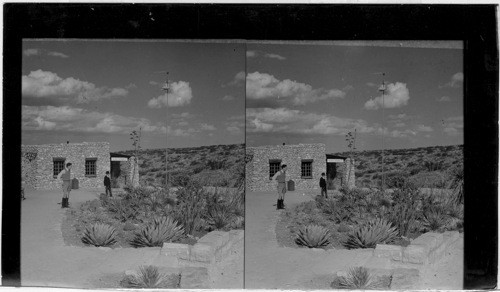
{"x":167,"y":89}
{"x":383,"y":135}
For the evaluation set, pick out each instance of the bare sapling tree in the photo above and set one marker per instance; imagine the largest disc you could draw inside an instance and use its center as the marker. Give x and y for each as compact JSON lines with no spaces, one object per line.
{"x":135,"y":136}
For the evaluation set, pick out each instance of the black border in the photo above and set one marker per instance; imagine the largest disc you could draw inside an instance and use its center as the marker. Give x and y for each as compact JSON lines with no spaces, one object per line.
{"x":474,"y":24}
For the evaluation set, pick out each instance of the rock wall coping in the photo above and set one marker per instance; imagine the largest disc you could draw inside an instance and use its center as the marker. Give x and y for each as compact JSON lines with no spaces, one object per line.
{"x":425,"y":249}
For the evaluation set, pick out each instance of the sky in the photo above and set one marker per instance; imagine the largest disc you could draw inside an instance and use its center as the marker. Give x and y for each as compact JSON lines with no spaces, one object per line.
{"x":310,"y":93}
{"x":86,"y":91}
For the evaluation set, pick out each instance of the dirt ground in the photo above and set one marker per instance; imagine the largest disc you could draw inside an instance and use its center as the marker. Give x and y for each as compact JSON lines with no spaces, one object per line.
{"x":271,"y":265}
{"x":46,"y":260}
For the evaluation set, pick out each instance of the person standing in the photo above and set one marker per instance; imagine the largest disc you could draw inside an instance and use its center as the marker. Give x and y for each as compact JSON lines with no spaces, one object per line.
{"x":280,"y":177}
{"x":65,"y":175}
{"x":322,"y":185}
{"x":107,"y":184}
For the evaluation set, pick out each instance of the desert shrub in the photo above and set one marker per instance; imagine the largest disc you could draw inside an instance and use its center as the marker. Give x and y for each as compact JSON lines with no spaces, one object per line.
{"x":343,"y":227}
{"x":150,"y":277}
{"x":99,"y":234}
{"x":434,"y":179}
{"x":396,"y":179}
{"x":369,"y":235}
{"x":313,"y":236}
{"x":122,"y":209}
{"x":434,"y":219}
{"x":215,"y":164}
{"x":357,"y":278}
{"x":219,"y":216}
{"x":433,"y":165}
{"x":161,"y":230}
{"x":190,"y":206}
{"x":457,"y":183}
{"x":404,"y":213}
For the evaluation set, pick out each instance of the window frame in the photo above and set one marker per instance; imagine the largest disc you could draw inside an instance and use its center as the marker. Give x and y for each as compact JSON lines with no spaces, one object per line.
{"x":302,"y":169}
{"x":274,"y":161}
{"x":54,"y":160}
{"x":91,"y":159}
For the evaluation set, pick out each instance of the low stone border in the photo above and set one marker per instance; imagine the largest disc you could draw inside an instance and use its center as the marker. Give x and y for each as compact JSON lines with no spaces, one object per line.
{"x":425,"y":249}
{"x":402,"y":264}
{"x":197,"y":261}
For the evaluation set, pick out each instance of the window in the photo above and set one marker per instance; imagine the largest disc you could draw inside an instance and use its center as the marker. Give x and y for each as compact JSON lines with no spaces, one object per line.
{"x":90,"y":168}
{"x":306,"y":168}
{"x":58,"y":165}
{"x":274,"y":167}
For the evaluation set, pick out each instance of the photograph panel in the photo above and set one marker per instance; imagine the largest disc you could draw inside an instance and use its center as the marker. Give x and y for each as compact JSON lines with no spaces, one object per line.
{"x":354,"y":165}
{"x":132,"y":164}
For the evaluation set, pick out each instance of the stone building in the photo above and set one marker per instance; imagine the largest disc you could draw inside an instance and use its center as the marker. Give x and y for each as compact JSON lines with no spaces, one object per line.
{"x":40,"y":164}
{"x":305,"y":164}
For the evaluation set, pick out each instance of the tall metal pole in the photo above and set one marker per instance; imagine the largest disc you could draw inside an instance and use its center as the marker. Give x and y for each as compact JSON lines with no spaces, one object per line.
{"x":166,"y":88}
{"x":382,"y":88}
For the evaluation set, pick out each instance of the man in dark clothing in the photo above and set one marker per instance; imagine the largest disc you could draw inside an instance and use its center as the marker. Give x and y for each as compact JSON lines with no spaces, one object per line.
{"x":107,"y":184}
{"x":322,"y":185}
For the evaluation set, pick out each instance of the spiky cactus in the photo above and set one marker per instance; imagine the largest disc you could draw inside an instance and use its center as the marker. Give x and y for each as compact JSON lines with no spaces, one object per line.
{"x":161,"y":230}
{"x":313,"y":236}
{"x":357,"y":278}
{"x":99,"y":234}
{"x":369,"y":235}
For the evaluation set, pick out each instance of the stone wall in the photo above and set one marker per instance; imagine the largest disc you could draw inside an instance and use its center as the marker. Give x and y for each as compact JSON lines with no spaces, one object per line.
{"x":130,"y":169}
{"x":347,"y":171}
{"x":257,"y":168}
{"x":29,"y":164}
{"x":39,"y":173}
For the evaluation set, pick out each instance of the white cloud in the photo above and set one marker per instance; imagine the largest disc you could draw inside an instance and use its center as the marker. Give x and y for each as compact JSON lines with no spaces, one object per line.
{"x":456,"y":81}
{"x":266,"y":86}
{"x":396,"y":95}
{"x":43,"y":84}
{"x":285,"y":120}
{"x":453,"y":126}
{"x":66,"y":118}
{"x":275,"y":56}
{"x":180,"y":94}
{"x":251,"y":54}
{"x":236,"y":125}
{"x":228,"y":98}
{"x":39,"y":52}
{"x":443,"y":99}
{"x":423,"y":128}
{"x":207,"y":127}
{"x":371,"y":84}
{"x":57,"y":54}
{"x":154,"y":83}
{"x":238,"y":80}
{"x":32,"y":52}
{"x":402,"y":133}
{"x":233,"y":130}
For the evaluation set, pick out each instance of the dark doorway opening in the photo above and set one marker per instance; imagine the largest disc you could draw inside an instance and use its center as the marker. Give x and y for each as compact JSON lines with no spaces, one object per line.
{"x":331,"y":174}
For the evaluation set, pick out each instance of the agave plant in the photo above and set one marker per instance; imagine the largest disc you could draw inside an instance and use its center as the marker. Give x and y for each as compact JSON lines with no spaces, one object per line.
{"x":313,"y":236}
{"x":219,"y":216}
{"x":357,"y":278}
{"x":164,"y":229}
{"x":99,"y":234}
{"x":434,"y":219}
{"x":369,"y":235}
{"x":150,"y":277}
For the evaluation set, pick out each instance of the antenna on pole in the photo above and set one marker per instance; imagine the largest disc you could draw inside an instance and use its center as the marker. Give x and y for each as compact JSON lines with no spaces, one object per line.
{"x":166,"y":88}
{"x":382,"y":88}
